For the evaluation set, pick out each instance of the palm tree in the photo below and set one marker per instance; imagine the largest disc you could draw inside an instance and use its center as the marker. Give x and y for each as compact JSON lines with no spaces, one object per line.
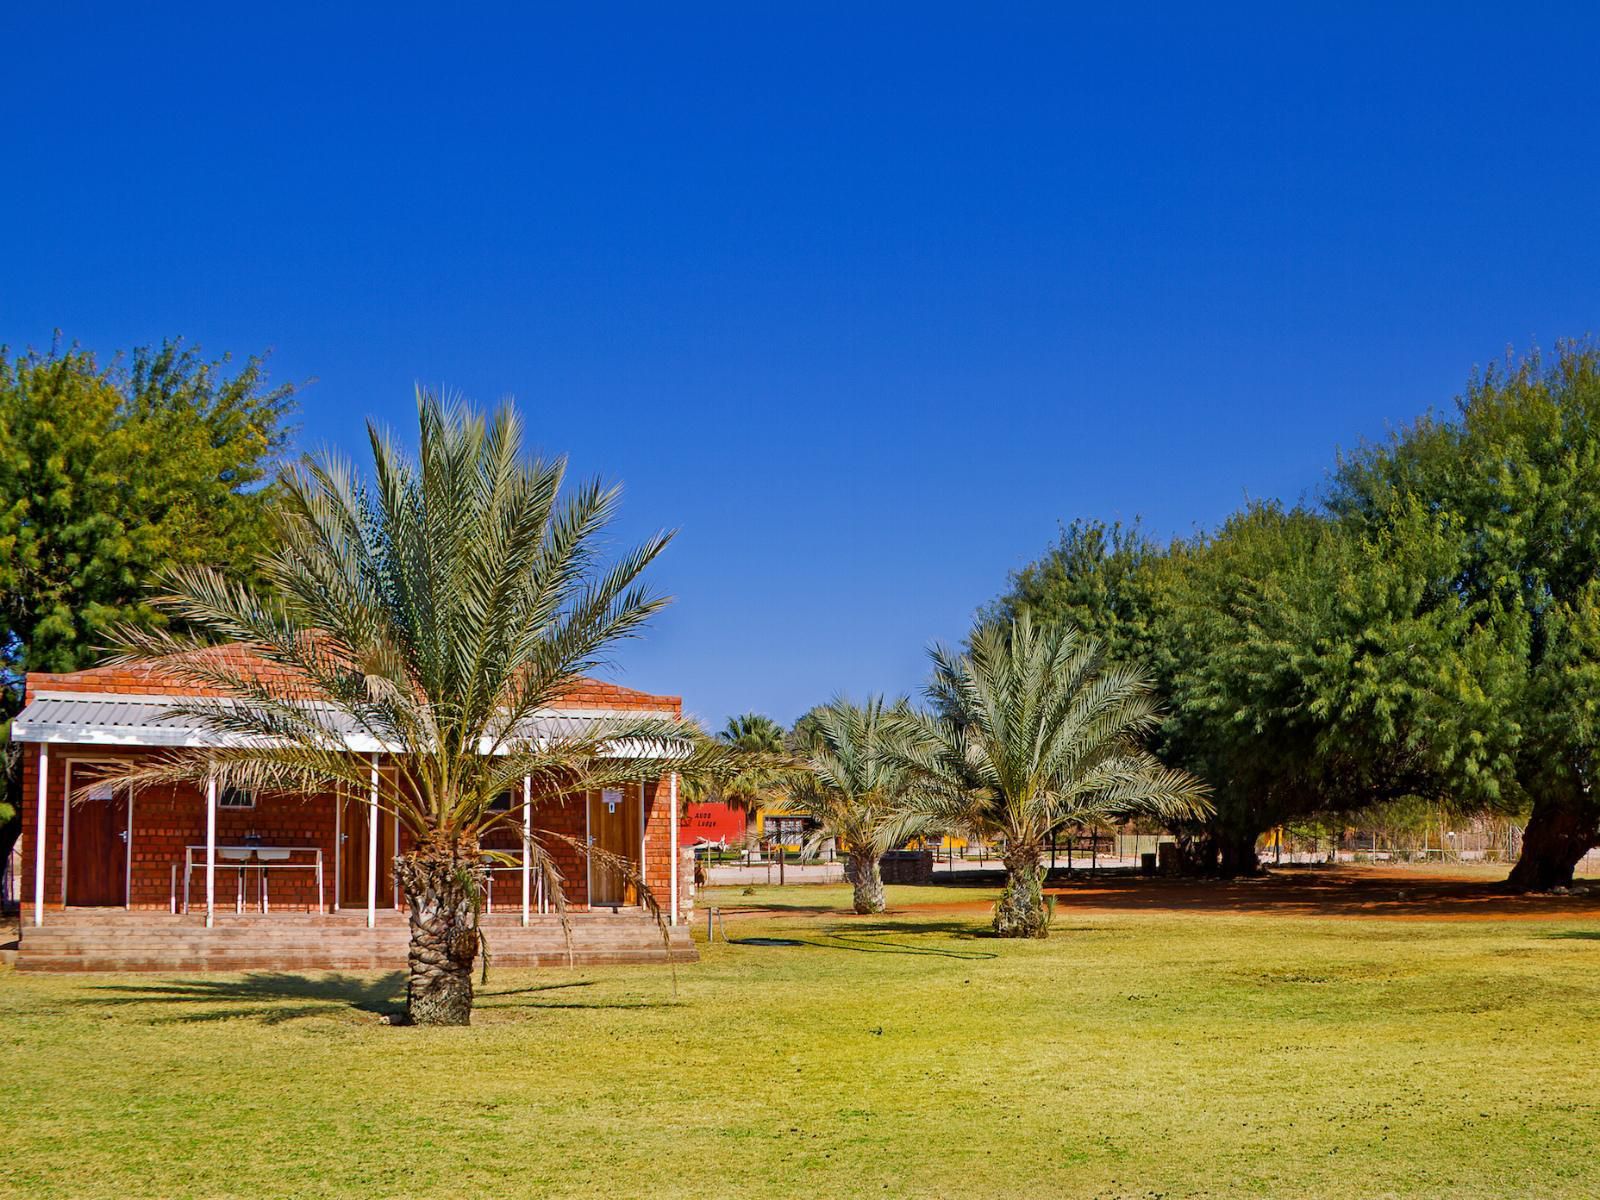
{"x":759,"y":740}
{"x":1033,"y":729}
{"x":853,"y":784}
{"x":433,"y":612}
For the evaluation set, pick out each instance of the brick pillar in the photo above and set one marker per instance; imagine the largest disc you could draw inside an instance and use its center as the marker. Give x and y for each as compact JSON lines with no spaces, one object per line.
{"x":685,"y":884}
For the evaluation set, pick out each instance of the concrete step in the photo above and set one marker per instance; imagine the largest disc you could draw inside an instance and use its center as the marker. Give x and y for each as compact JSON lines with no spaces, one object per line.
{"x":121,"y":941}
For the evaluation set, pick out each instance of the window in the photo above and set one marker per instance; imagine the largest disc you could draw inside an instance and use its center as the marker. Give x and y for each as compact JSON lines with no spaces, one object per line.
{"x":232,"y":797}
{"x":501,"y":803}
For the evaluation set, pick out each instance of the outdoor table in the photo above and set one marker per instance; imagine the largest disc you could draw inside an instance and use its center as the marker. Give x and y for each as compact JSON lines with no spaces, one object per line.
{"x":537,"y":900}
{"x":260,"y":859}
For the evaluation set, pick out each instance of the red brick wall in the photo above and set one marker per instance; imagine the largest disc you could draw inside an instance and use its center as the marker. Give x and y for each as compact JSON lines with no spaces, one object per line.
{"x":166,"y":819}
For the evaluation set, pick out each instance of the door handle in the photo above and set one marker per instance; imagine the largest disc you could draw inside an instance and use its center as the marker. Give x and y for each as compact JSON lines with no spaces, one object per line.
{"x":123,"y":835}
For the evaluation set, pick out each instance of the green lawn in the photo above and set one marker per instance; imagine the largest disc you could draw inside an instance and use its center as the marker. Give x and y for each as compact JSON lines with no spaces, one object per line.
{"x":1132,"y":1054}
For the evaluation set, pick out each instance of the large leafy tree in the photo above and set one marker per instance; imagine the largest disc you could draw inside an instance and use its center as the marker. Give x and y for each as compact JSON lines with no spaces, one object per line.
{"x":854,"y":785}
{"x":1097,"y":577}
{"x":1517,"y":469}
{"x":110,"y":474}
{"x":1033,"y":728}
{"x":1312,"y":668}
{"x":435,"y":609}
{"x":1317,"y":670}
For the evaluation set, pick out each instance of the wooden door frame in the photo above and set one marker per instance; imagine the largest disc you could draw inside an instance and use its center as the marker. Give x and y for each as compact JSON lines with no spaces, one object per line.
{"x":66,"y":824}
{"x":341,"y":834}
{"x":590,"y":798}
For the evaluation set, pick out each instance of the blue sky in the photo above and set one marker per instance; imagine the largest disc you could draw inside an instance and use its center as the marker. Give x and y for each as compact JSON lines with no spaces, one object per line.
{"x":862,"y":299}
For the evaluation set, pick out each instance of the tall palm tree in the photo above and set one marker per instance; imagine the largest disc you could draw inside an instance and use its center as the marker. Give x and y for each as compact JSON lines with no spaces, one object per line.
{"x":760,"y":742}
{"x":853,"y":784}
{"x":1033,"y":729}
{"x":434,"y":612}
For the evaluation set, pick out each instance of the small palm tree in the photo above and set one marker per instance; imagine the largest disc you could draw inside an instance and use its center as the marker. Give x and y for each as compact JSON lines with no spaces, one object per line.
{"x":1033,"y":729}
{"x":433,"y":613}
{"x":853,"y":784}
{"x":759,"y":740}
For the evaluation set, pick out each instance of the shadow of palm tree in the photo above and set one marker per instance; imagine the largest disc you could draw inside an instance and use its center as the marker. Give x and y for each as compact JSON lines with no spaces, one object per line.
{"x":870,"y":939}
{"x":539,"y":987}
{"x":589,"y":1006}
{"x":272,"y":997}
{"x":1576,"y":935}
{"x":952,"y":927}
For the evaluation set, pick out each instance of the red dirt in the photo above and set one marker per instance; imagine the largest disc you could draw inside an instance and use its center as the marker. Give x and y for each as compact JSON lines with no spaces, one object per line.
{"x":1394,"y":893}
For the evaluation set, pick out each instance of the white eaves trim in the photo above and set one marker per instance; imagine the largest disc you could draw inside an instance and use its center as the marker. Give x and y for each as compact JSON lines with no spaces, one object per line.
{"x":117,"y":720}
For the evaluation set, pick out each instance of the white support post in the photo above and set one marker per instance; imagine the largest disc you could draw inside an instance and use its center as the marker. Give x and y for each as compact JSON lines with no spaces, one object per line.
{"x":527,"y":835}
{"x":39,"y":832}
{"x":672,"y":888}
{"x":127,"y":871}
{"x":338,"y":845}
{"x":211,"y":852}
{"x":372,"y":848}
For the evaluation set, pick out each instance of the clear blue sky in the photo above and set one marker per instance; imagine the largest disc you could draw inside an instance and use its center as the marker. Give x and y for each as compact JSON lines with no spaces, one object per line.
{"x":864,"y":299}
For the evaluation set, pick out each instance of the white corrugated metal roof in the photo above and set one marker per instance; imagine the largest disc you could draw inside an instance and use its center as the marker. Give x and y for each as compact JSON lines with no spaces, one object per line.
{"x":104,"y":719}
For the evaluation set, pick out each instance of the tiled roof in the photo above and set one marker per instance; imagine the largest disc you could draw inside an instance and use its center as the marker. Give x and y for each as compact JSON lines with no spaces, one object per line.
{"x":141,"y":681}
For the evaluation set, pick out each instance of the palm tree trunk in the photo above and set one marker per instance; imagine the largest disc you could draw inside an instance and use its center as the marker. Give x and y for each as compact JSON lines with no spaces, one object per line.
{"x":1020,"y":910}
{"x":442,"y":886}
{"x":868,"y":881}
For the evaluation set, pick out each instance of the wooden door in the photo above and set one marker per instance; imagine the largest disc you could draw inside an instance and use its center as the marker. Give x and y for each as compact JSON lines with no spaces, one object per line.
{"x":353,"y":856}
{"x":97,"y":847}
{"x":614,"y":828}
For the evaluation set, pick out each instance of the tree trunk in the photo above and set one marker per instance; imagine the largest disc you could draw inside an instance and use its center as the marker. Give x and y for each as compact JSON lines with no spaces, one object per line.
{"x":443,"y":885}
{"x":1237,"y":850}
{"x":1220,"y":851}
{"x":868,"y":881}
{"x":1020,"y":910}
{"x":1197,"y":850}
{"x":1559,"y":833}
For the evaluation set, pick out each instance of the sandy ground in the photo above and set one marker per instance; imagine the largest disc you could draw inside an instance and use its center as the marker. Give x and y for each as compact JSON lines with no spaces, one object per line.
{"x":1419,"y":893}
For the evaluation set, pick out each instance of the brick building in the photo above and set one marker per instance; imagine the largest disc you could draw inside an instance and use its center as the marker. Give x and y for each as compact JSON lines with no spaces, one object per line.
{"x":160,"y":861}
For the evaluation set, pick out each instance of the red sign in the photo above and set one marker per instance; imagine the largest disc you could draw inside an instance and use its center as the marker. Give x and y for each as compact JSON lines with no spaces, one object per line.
{"x":712,"y":823}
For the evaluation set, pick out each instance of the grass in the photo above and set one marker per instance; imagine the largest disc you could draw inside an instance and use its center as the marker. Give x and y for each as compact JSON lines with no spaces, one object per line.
{"x":1132,"y":1054}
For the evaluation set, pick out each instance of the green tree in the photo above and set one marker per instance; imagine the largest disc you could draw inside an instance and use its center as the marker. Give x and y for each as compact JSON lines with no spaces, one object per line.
{"x":1097,"y":578}
{"x":1517,"y":468}
{"x":436,"y":610}
{"x":762,"y":743}
{"x":1035,"y":728}
{"x":853,"y":784}
{"x":108,"y":475}
{"x":1315,"y":669}
{"x":1312,"y":668}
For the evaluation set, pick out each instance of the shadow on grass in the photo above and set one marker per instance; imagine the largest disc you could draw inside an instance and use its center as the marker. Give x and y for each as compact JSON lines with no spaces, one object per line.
{"x":271,"y":997}
{"x":1576,"y":935}
{"x":871,"y":939}
{"x":954,"y":927}
{"x":487,"y":1000}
